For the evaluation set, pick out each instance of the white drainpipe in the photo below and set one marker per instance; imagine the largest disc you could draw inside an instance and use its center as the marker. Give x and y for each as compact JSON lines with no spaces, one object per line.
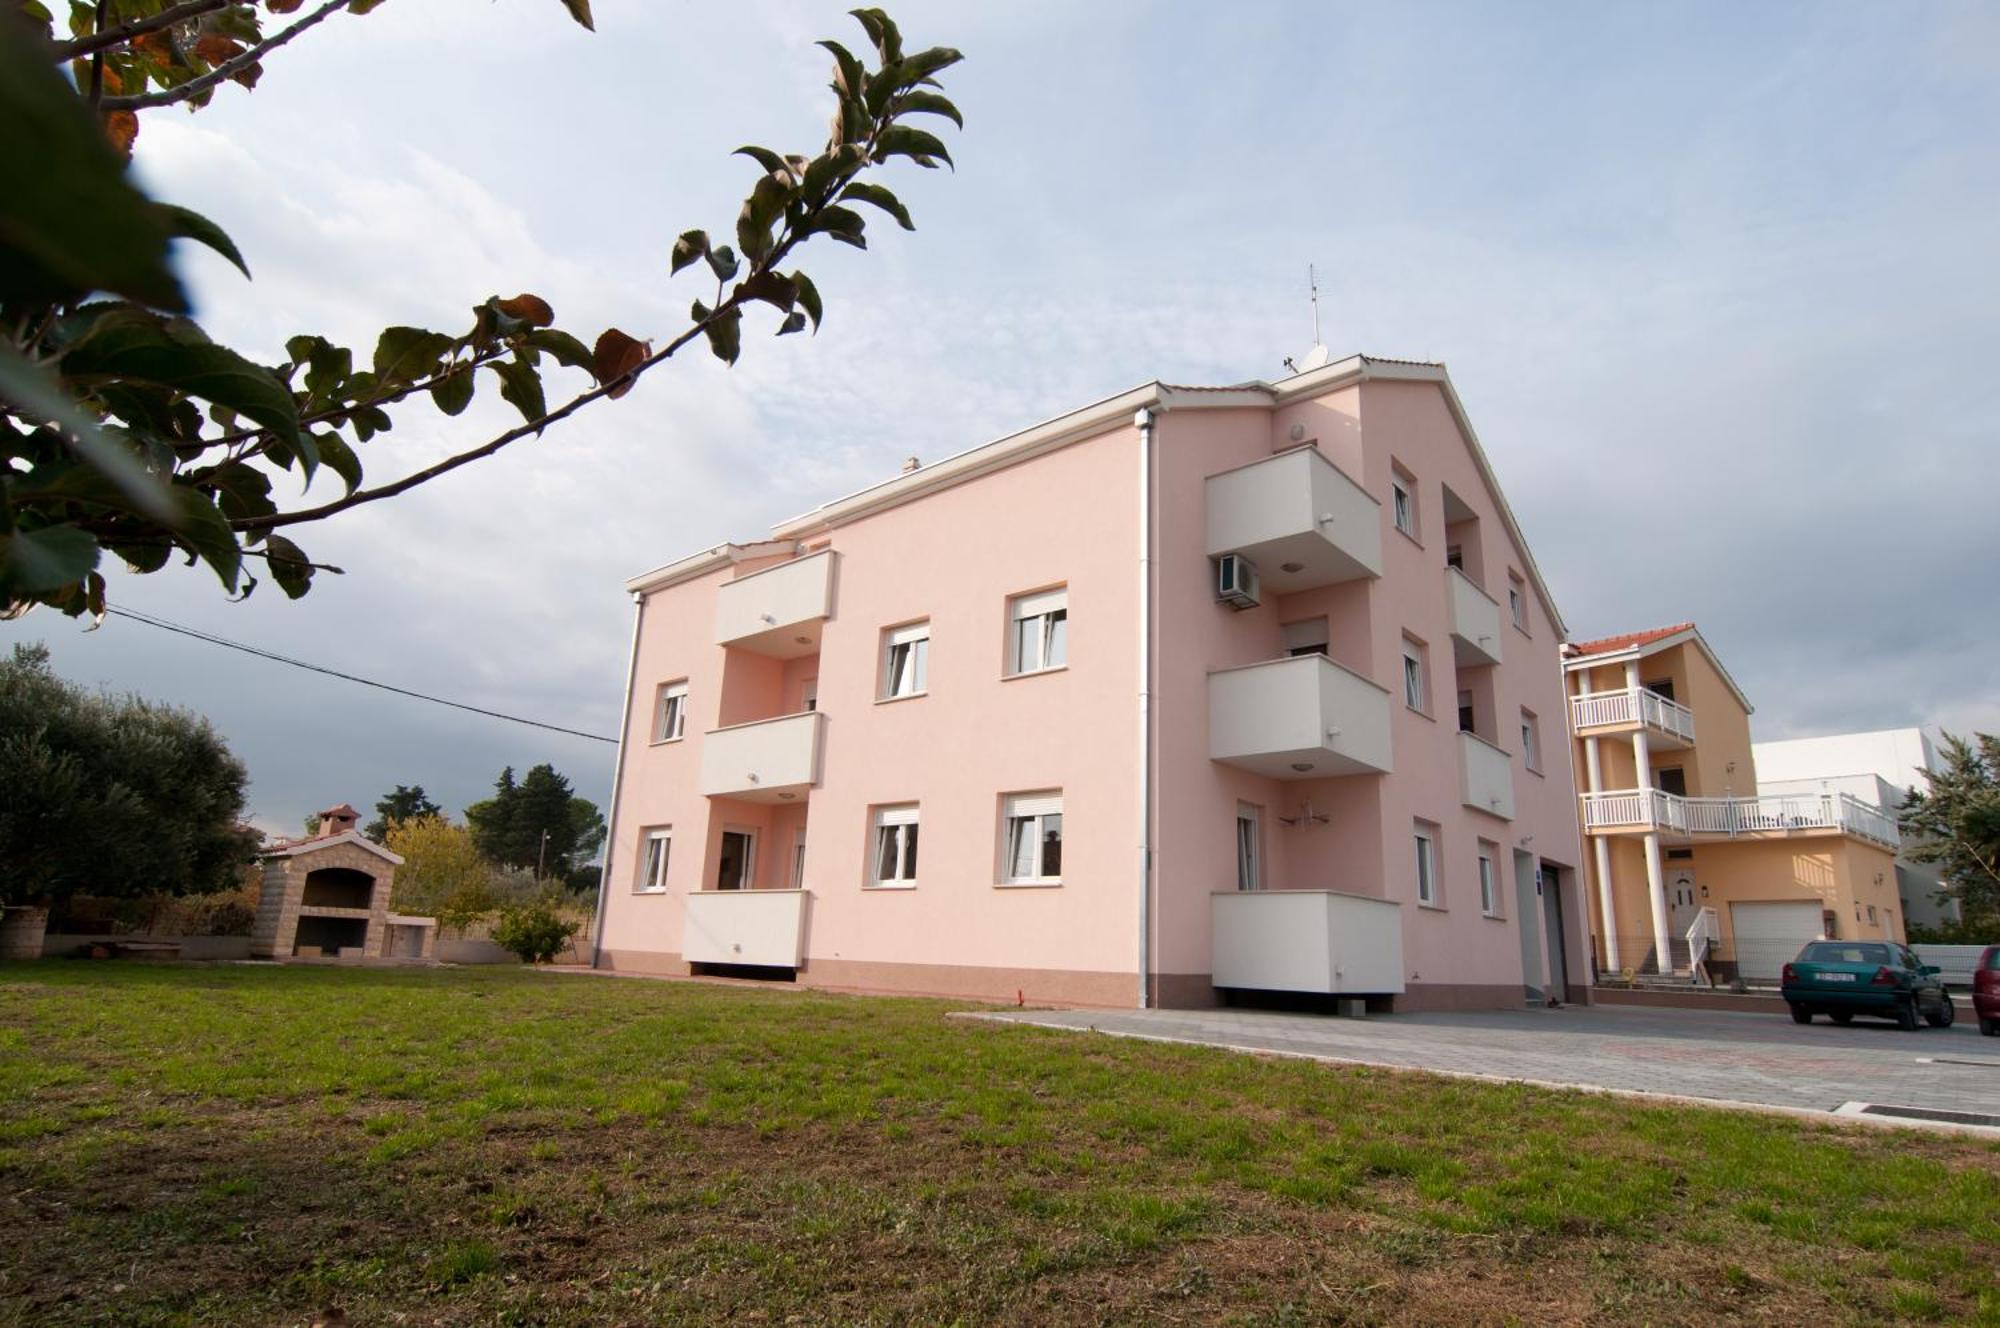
{"x":1144,"y":421}
{"x":617,"y":776}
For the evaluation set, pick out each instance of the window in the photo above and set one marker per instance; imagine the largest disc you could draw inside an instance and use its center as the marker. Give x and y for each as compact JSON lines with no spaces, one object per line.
{"x":653,"y":862}
{"x":1427,"y":882}
{"x":1249,"y":848}
{"x":1403,"y":503}
{"x":1489,"y":887}
{"x":1663,"y":688}
{"x":1531,"y":740}
{"x":1671,"y":779}
{"x":906,"y":659}
{"x":1032,"y":845}
{"x":1416,"y":691}
{"x":1306,"y":638}
{"x":670,"y":714}
{"x":1454,"y":556}
{"x":1467,"y":716}
{"x":809,"y":694}
{"x":895,"y":860}
{"x":1039,"y":632}
{"x":799,"y":862}
{"x":1517,"y":601}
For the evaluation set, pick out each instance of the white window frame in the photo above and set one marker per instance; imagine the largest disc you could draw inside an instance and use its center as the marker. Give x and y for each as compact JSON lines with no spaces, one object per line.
{"x":655,"y":857}
{"x":1403,"y":503}
{"x":1531,"y":740}
{"x":909,"y":647}
{"x":1049,"y":609}
{"x":1026,"y":814}
{"x":1489,"y":879}
{"x":1425,"y":836}
{"x":1517,"y":600}
{"x":799,"y":861}
{"x":670,"y":700}
{"x":1249,"y":847}
{"x":899,"y":822}
{"x":1416,"y":676}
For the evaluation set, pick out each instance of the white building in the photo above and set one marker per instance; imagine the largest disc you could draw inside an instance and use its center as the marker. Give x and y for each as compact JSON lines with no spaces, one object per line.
{"x":1881,"y":767}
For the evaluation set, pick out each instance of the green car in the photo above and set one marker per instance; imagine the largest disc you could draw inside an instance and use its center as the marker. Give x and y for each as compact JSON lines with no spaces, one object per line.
{"x":1841,"y":979}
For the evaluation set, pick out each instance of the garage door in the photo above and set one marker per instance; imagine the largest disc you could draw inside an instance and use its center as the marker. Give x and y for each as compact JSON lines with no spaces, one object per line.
{"x":1768,"y":936}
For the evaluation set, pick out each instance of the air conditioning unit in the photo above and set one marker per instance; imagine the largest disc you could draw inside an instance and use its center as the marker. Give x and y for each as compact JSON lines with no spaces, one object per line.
{"x":1236,"y":581}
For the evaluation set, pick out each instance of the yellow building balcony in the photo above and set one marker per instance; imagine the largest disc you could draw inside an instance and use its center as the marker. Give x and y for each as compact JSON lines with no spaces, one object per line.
{"x":1675,"y":818}
{"x":1669,"y":725}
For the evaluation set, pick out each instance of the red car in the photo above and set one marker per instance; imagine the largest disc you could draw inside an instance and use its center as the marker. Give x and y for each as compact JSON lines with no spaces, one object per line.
{"x":1986,"y":991}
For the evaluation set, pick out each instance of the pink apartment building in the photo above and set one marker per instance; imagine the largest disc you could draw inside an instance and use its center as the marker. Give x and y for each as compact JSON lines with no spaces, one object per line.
{"x":1189,"y":692}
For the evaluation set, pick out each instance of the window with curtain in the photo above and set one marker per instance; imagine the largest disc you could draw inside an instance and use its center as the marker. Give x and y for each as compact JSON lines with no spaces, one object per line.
{"x":895,"y":861}
{"x":1033,"y":827}
{"x":1039,"y":638}
{"x":906,"y":655}
{"x":672,"y":712}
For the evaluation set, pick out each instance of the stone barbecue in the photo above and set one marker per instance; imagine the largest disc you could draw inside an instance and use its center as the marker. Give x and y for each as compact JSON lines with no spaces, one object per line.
{"x":327,"y":897}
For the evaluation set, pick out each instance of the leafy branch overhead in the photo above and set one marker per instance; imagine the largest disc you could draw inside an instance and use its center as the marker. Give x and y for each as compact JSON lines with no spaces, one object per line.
{"x":125,"y":429}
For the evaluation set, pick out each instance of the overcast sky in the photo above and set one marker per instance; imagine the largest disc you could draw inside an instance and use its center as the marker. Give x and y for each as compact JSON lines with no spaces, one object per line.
{"x":1717,"y":283}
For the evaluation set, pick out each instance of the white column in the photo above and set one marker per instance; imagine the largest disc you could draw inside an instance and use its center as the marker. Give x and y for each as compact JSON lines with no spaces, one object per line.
{"x":1607,"y":905}
{"x":1656,"y":884}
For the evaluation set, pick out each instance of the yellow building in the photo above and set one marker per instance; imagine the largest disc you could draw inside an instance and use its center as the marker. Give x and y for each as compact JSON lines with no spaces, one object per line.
{"x":1686,"y":859}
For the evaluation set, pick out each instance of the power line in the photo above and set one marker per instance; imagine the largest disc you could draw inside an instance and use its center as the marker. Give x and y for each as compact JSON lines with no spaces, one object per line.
{"x":212,"y":639}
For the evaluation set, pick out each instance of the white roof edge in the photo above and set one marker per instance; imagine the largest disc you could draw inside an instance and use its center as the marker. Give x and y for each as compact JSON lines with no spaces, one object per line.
{"x":696,"y":564}
{"x":354,"y":837}
{"x":1070,"y":426}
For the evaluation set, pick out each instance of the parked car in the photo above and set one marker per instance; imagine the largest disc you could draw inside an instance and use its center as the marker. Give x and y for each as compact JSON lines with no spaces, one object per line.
{"x":1841,"y":979}
{"x":1986,"y":990}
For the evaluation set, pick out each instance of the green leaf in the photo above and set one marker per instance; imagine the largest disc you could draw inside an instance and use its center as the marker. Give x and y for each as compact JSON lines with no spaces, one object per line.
{"x":691,"y":246}
{"x":930,"y":103}
{"x":187,"y":224}
{"x":406,"y":354}
{"x":848,"y":76}
{"x":290,"y":567}
{"x":569,"y":352}
{"x":765,"y":205}
{"x":773,"y":288}
{"x":522,"y":387}
{"x":28,"y":387}
{"x":863,"y":192}
{"x":881,"y":30}
{"x":722,"y":262}
{"x":339,"y":458}
{"x":808,"y":297}
{"x":129,"y":344}
{"x":327,"y":370}
{"x":795,"y":321}
{"x":916,"y":68}
{"x":204,"y":530}
{"x":369,"y":421}
{"x":725,"y":335}
{"x":918,"y":145}
{"x":242,"y":491}
{"x":764,"y":157}
{"x":453,"y":392}
{"x":38,"y":561}
{"x":70,"y":220}
{"x":580,"y":11}
{"x":843,"y":224}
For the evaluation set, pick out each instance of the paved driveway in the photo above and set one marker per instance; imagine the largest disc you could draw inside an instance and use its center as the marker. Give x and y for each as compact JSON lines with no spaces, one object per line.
{"x":1726,"y":1056}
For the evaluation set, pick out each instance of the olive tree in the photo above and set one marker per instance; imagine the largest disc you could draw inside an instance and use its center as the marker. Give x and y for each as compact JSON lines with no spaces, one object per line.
{"x":126,"y":429}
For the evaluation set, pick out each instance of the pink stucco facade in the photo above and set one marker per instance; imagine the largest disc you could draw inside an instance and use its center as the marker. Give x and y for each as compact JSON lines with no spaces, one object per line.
{"x":1111,"y":509}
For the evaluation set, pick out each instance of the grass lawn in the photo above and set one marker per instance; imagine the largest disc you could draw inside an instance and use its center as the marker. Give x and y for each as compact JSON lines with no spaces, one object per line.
{"x":237,"y":1144}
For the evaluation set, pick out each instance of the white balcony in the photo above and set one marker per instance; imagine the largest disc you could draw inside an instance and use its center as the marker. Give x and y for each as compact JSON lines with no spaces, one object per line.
{"x":1297,"y":517}
{"x":771,"y":760}
{"x":1675,"y":817}
{"x":1485,"y":777}
{"x":1669,"y":725}
{"x":1306,"y":940}
{"x":766,"y":928}
{"x":778,"y":611}
{"x":1304,"y":717}
{"x":1475,"y":621}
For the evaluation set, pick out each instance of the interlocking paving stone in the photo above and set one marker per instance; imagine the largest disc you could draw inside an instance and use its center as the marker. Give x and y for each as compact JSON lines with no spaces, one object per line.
{"x":1726,"y":1056}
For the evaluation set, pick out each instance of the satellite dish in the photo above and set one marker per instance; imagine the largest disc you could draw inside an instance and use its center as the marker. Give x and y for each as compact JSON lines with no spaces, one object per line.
{"x":1314,"y":358}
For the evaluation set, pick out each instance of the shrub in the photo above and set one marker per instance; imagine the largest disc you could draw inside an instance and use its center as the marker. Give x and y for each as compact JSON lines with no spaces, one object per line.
{"x":535,"y":932}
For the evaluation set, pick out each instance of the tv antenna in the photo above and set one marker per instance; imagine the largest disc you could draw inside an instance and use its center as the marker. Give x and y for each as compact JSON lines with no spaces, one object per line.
{"x":1317,"y":356}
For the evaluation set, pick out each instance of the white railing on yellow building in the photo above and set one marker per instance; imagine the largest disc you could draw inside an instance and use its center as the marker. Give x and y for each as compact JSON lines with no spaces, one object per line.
{"x":1658,"y":810}
{"x":1632,"y":705}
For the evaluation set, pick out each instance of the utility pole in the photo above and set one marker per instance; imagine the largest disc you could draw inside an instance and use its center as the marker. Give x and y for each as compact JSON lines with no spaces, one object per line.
{"x":541,"y":857}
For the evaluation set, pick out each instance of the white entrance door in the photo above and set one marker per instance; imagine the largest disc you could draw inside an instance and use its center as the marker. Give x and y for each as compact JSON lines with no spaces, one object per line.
{"x":1769,"y":935}
{"x":1681,"y":897}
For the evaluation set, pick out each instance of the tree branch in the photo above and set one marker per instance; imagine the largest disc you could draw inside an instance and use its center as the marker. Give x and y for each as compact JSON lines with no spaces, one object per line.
{"x":137,"y":27}
{"x":228,"y":68}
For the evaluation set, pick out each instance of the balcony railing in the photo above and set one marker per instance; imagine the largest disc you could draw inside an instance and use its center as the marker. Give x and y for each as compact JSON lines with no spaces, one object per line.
{"x":1485,"y":776}
{"x":777,"y":611}
{"x":1475,"y":621}
{"x":1306,"y":940}
{"x":762,"y":928}
{"x":771,"y":760}
{"x":1298,"y":518}
{"x":1632,"y":705}
{"x":1656,"y":809}
{"x":1304,"y":717}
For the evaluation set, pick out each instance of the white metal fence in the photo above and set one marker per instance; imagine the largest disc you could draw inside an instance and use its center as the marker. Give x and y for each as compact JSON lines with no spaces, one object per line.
{"x":1762,"y":813}
{"x":1632,"y":705}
